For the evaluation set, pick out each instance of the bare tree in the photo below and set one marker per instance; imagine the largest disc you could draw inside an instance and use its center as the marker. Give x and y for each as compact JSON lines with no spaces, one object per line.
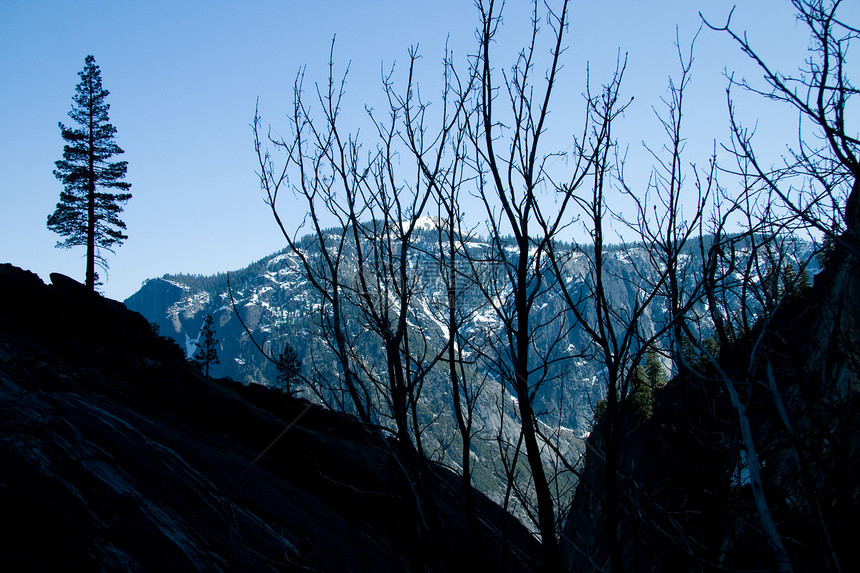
{"x":820,"y":181}
{"x":815,"y":191}
{"x":312,"y":153}
{"x":622,"y":332}
{"x":443,"y":162}
{"x":489,"y":134}
{"x":506,"y":133}
{"x":779,"y":362}
{"x":365,"y":270}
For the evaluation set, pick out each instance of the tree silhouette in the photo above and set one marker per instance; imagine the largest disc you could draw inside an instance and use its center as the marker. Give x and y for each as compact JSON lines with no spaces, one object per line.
{"x":289,"y":369}
{"x":207,"y":352}
{"x":694,"y":294}
{"x":85,"y":215}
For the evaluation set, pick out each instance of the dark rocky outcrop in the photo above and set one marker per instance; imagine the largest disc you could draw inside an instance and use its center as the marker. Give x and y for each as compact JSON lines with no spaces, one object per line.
{"x":117,"y":455}
{"x":686,"y":494}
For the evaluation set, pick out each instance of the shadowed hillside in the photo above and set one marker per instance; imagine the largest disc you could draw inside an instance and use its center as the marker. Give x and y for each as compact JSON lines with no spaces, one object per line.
{"x":115,"y":454}
{"x":750,"y":458}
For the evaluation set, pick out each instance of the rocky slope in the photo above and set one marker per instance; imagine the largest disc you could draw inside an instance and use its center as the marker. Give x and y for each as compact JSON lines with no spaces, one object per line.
{"x":748,"y":464}
{"x":116,"y":455}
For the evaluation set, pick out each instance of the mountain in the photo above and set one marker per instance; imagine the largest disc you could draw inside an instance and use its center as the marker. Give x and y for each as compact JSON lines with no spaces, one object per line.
{"x":116,"y":454}
{"x":278,"y":305}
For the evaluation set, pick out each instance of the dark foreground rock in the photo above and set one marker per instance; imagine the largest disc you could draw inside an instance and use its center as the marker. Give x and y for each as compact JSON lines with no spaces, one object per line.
{"x":688,"y":499}
{"x":116,"y":454}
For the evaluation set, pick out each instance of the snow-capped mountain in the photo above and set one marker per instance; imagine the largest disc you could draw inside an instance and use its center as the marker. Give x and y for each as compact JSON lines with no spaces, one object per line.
{"x":278,"y":305}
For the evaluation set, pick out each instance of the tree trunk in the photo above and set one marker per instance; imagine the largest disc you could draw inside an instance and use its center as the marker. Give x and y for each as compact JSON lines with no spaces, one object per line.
{"x":91,"y":216}
{"x":610,"y":509}
{"x":546,"y":511}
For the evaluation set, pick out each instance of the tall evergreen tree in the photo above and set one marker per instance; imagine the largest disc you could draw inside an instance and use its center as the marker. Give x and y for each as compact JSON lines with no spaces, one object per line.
{"x":87,"y":214}
{"x":207,"y":351}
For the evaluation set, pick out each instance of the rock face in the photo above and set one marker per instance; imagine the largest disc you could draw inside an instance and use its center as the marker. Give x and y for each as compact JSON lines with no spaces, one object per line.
{"x":689,"y":497}
{"x":116,"y":455}
{"x":158,"y":295}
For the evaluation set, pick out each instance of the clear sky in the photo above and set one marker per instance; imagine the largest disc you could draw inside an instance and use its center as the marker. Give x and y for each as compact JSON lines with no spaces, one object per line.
{"x":184,"y":78}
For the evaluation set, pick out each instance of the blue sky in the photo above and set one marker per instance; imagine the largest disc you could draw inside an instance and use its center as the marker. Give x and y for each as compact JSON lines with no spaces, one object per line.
{"x":184,"y":78}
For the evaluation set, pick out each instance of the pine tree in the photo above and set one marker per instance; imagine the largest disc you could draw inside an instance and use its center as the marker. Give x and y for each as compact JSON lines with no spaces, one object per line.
{"x":207,"y":352}
{"x":289,"y":368}
{"x":654,"y":373}
{"x":87,"y":215}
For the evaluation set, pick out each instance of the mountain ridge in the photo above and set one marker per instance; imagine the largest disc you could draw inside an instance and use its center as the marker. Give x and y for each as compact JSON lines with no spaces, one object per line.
{"x":278,"y":306}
